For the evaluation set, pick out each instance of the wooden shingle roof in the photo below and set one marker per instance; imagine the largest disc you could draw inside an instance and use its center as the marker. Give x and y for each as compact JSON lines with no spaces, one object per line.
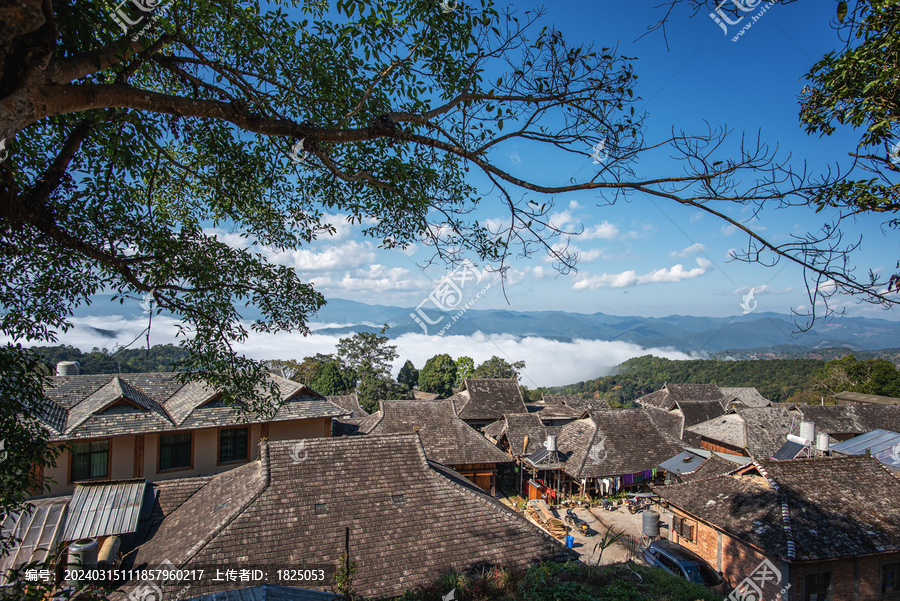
{"x":849,"y":419}
{"x":611,"y":443}
{"x":93,"y":406}
{"x":836,"y":507}
{"x":745,"y":395}
{"x":669,"y":394}
{"x":410,"y":520}
{"x":488,"y":399}
{"x":516,"y":427}
{"x":446,"y":438}
{"x":349,"y":403}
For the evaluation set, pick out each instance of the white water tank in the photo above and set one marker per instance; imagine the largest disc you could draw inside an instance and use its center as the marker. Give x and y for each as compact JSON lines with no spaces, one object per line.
{"x":808,"y":430}
{"x":551,"y":443}
{"x":822,"y":442}
{"x":67,"y":368}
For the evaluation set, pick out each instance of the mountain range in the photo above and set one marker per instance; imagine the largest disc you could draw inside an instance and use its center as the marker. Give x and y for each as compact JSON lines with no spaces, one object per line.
{"x":680,"y":332}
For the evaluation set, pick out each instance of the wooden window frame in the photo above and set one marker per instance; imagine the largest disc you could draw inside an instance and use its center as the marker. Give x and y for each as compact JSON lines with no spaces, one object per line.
{"x":882,"y":573}
{"x":159,"y":453}
{"x":72,"y":460}
{"x":219,"y":446}
{"x":805,"y":591}
{"x":679,"y":523}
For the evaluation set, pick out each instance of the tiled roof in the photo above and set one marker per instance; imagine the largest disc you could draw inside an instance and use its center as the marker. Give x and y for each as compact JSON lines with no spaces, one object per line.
{"x":610,"y":443}
{"x":551,"y":411}
{"x":348,"y":402}
{"x":761,"y":431}
{"x":669,"y":394}
{"x":102,"y":405}
{"x":728,"y":428}
{"x":574,"y":401}
{"x":867,"y":398}
{"x":712,"y":467}
{"x":748,"y":396}
{"x":699,"y":411}
{"x":767,"y":429}
{"x":849,"y":419}
{"x":447,"y":439}
{"x":410,"y":521}
{"x":345,"y":426}
{"x":516,"y":426}
{"x":836,"y":507}
{"x":489,"y":399}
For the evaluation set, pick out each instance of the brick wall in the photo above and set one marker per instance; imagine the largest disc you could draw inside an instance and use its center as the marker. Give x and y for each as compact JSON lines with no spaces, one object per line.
{"x":854,"y":579}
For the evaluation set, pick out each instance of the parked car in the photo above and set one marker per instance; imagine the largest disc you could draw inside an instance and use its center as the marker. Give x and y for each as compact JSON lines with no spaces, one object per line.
{"x":674,"y":558}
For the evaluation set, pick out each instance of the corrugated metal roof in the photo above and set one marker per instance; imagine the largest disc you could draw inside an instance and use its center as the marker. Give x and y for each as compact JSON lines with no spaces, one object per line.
{"x":883,"y":444}
{"x":104,"y":508}
{"x":683,"y":463}
{"x":39,"y":532}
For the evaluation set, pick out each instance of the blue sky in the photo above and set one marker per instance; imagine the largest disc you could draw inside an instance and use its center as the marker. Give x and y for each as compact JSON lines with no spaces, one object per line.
{"x":646,"y":257}
{"x":643,"y":257}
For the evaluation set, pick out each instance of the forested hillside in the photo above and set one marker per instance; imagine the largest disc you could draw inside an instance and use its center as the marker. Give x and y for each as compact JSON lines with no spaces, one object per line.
{"x":160,"y":357}
{"x":776,"y":379}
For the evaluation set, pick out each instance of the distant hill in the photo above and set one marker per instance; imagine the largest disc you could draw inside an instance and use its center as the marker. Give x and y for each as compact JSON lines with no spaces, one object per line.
{"x":776,"y":379}
{"x":160,"y":357}
{"x":712,"y":335}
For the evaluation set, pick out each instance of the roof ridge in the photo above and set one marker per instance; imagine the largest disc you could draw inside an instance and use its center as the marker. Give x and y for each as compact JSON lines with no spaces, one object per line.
{"x":785,"y":509}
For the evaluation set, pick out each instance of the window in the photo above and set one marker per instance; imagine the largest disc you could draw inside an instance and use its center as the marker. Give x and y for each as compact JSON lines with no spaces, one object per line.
{"x":233,"y":444}
{"x":817,"y":587}
{"x":174,"y":451}
{"x":890,"y":578}
{"x":90,"y":460}
{"x":684,"y":528}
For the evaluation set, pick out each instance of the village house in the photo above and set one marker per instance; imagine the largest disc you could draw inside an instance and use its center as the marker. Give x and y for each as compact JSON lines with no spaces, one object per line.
{"x":347,"y":425}
{"x":842,"y":422}
{"x":560,"y":409}
{"x":697,"y":464}
{"x":445,"y":437}
{"x":757,"y":432}
{"x":151,"y":425}
{"x":676,"y":407}
{"x":858,"y":398}
{"x":605,"y":452}
{"x":405,"y":520}
{"x":824,"y":528}
{"x":483,"y":401}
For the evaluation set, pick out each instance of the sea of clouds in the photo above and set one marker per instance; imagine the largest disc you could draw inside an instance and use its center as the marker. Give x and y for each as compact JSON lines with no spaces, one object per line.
{"x":547,"y":362}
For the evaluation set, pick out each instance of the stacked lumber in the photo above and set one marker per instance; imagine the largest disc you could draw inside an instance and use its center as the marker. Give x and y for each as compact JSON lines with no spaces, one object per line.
{"x":538,"y":511}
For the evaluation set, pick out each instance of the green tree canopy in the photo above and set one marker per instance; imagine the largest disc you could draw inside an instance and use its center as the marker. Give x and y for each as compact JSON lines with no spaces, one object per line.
{"x":465,"y":367}
{"x":498,"y":367}
{"x":408,"y":376}
{"x":438,"y":375}
{"x":330,"y":381}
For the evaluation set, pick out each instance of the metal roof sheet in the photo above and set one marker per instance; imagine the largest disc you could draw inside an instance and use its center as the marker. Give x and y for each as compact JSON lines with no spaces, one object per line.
{"x":883,"y":444}
{"x":104,"y":508}
{"x":39,"y":532}
{"x":683,"y":463}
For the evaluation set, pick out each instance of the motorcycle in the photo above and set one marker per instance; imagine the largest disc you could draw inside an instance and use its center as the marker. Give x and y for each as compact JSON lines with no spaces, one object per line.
{"x":576,"y":522}
{"x":640,"y":501}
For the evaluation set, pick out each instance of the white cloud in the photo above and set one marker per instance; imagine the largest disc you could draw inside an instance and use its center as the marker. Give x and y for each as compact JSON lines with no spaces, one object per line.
{"x":515,"y":158}
{"x":676,"y":273}
{"x":689,"y":250}
{"x":343,"y":256}
{"x":562,"y":220}
{"x":764,"y":289}
{"x":375,"y":279}
{"x":727,"y":230}
{"x":605,"y":231}
{"x":572,"y":361}
{"x":319,"y":256}
{"x":573,"y":204}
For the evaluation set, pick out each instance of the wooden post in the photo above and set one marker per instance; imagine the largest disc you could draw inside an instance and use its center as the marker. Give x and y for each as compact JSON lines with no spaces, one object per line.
{"x":138,"y":471}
